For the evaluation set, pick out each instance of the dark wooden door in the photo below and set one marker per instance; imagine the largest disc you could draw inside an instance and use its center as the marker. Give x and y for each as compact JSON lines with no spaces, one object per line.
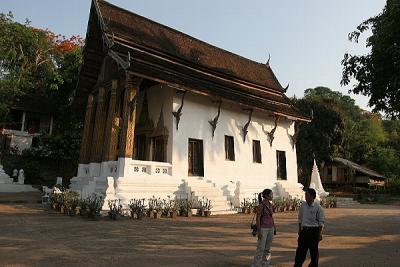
{"x":195,"y":158}
{"x":281,"y":165}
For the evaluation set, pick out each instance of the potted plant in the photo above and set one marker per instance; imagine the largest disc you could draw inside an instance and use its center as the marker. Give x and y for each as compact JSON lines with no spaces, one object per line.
{"x":171,"y":207}
{"x":173,"y":212}
{"x":81,"y":209}
{"x":199,"y":205}
{"x":115,"y":208}
{"x":70,"y":201}
{"x":158,"y":209}
{"x":151,"y":202}
{"x":207,"y":208}
{"x":94,"y":204}
{"x":185,"y":208}
{"x":137,"y":208}
{"x":246,"y":206}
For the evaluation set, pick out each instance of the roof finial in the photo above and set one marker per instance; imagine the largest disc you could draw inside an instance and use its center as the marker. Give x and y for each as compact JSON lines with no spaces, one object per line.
{"x":286,"y":88}
{"x":269,"y":57}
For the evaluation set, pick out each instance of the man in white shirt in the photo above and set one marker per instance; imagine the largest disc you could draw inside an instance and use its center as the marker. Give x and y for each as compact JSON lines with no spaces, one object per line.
{"x":311,"y":223}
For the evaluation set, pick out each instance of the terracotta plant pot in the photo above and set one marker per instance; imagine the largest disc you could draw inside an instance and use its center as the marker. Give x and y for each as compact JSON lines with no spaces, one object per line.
{"x":173,"y":214}
{"x":157,"y":215}
{"x":186,"y":213}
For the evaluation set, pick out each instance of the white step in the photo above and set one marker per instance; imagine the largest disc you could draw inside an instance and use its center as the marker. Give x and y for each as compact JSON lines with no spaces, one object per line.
{"x":204,"y":188}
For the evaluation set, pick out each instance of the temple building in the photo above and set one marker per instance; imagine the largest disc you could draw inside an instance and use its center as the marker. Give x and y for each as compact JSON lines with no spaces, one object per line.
{"x":170,"y":115}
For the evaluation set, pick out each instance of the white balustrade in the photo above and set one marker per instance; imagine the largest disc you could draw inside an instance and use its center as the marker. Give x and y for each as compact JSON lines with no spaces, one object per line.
{"x":138,"y":167}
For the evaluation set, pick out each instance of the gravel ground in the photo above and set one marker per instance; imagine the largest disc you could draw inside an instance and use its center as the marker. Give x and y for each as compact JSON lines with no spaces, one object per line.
{"x":31,"y":235}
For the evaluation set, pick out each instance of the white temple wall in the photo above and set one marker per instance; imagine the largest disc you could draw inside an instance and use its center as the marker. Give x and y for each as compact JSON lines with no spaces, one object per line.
{"x":198,"y":110}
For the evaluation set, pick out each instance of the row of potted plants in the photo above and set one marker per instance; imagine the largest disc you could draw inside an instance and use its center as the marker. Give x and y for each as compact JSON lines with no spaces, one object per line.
{"x":284,"y":204}
{"x":280,"y":205}
{"x":157,"y":207}
{"x":69,"y":202}
{"x":328,"y":202}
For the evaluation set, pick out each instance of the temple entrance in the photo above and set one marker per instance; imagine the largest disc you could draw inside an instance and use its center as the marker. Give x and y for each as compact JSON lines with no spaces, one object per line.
{"x":195,"y":158}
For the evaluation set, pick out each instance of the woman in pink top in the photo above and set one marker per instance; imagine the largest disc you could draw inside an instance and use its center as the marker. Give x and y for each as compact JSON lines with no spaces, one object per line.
{"x":265,"y":228}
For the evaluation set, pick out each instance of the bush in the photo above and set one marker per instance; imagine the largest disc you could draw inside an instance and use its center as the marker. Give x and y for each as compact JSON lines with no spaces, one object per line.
{"x":393,"y":186}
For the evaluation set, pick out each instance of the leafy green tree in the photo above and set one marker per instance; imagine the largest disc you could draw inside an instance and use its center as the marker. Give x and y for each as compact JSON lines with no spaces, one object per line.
{"x":36,"y":62}
{"x":26,"y":62}
{"x":392,"y":129}
{"x":40,"y":64}
{"x":323,"y":136}
{"x":377,"y":74}
{"x":365,"y":138}
{"x":385,"y":160}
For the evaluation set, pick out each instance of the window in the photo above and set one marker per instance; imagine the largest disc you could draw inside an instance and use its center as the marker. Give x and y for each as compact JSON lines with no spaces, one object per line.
{"x":229,"y":148}
{"x":281,"y":165}
{"x":159,"y":147}
{"x":195,"y":158}
{"x":140,"y":147}
{"x":256,"y":151}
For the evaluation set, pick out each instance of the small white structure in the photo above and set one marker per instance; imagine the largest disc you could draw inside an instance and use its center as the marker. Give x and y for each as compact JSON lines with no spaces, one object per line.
{"x":316,"y":184}
{"x":7,"y":184}
{"x":59,"y":180}
{"x":21,"y":176}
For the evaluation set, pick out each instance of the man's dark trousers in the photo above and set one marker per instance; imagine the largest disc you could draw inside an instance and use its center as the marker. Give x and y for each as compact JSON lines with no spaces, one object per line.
{"x":308,"y":240}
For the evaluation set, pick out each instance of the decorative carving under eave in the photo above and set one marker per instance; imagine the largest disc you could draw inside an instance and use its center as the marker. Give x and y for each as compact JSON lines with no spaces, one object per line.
{"x":177,"y":114}
{"x":272,"y":132}
{"x":293,"y":137}
{"x":244,"y":130}
{"x":214,"y":122}
{"x":124,"y":64}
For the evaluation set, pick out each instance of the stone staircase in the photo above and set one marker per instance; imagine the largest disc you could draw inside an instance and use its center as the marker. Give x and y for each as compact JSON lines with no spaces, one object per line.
{"x":206,"y":188}
{"x":286,"y":189}
{"x":343,"y":202}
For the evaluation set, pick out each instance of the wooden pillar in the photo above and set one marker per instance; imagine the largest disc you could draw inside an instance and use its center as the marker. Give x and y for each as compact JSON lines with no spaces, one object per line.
{"x":112,"y":125}
{"x":128,"y":119}
{"x":84,"y":156}
{"x":98,"y":134}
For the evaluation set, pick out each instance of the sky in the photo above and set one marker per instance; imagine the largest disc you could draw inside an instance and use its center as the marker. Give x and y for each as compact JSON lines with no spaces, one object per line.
{"x":305,"y":38}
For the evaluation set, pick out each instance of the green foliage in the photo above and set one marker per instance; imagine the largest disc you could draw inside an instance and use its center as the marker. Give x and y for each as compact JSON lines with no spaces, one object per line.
{"x":64,"y":144}
{"x":339,"y":128}
{"x":394,"y":185}
{"x":138,"y":207}
{"x":385,"y":160}
{"x":323,"y":136}
{"x":364,"y":138}
{"x":37,"y":63}
{"x":26,"y":62}
{"x":94,"y":204}
{"x":377,"y":74}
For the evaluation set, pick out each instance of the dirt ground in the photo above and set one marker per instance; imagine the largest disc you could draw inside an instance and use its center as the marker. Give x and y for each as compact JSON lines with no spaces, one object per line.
{"x":30,"y":235}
